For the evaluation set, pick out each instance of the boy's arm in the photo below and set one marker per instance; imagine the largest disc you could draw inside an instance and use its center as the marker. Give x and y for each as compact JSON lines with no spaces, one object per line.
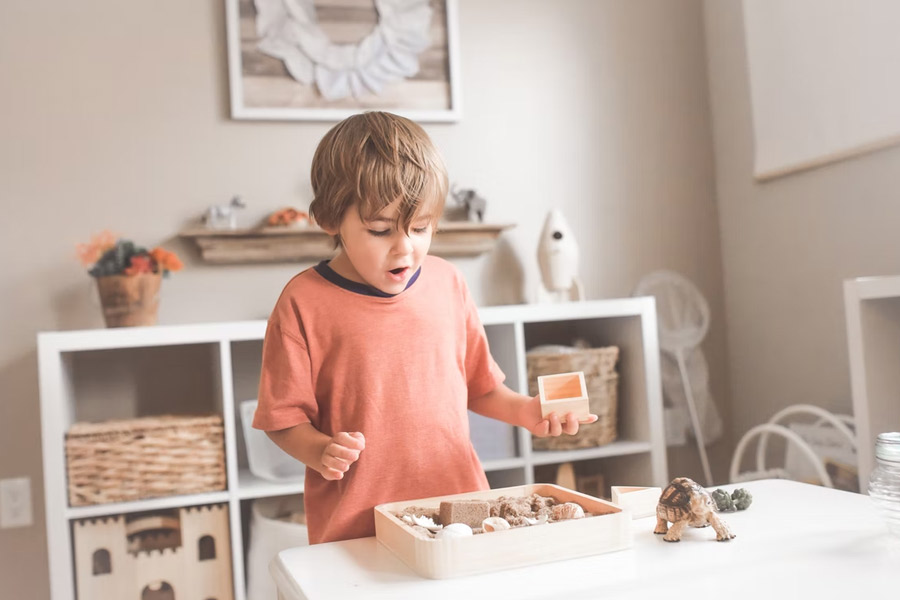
{"x":330,"y":456}
{"x":506,"y":405}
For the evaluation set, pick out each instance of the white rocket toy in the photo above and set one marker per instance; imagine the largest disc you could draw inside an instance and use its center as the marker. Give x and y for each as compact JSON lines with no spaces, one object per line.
{"x":558,"y":260}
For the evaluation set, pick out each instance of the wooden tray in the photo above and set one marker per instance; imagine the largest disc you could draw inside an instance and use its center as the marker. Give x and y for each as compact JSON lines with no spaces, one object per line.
{"x":608,"y":530}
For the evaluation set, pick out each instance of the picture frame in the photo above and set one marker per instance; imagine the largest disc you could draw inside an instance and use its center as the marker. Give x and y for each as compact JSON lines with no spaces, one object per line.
{"x":324,"y":60}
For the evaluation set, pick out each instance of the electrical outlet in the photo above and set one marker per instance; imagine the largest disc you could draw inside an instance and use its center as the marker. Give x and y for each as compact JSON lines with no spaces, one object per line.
{"x":15,"y":502}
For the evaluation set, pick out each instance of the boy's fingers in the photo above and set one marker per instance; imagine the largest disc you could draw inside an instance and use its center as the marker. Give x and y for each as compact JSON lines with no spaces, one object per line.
{"x":354,"y":440}
{"x":571,"y":427}
{"x":344,"y":453}
{"x":337,"y":463}
{"x":588,"y":419}
{"x":541,"y":429}
{"x":332,"y":475}
{"x":555,"y":425}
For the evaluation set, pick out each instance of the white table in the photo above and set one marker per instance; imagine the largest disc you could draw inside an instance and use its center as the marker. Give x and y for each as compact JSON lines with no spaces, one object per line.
{"x":795,"y":541}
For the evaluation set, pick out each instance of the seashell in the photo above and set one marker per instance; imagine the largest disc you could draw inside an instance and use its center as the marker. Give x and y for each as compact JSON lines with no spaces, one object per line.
{"x":494,"y":524}
{"x":539,"y":521}
{"x":454,"y":530}
{"x":567,"y":510}
{"x":426,"y":522}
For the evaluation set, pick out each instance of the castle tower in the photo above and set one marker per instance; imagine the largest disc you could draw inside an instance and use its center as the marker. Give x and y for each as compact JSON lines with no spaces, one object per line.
{"x":103,"y":566}
{"x":206,"y":546}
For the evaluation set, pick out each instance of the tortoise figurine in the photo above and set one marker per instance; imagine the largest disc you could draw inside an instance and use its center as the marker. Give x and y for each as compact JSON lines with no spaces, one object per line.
{"x":684,"y":502}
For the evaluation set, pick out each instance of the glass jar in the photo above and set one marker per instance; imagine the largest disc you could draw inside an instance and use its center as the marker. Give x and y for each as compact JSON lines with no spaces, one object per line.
{"x":884,"y":482}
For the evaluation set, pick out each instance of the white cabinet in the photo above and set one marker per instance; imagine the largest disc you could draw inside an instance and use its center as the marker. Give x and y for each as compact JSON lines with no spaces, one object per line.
{"x":210,"y":368}
{"x":872,"y":307}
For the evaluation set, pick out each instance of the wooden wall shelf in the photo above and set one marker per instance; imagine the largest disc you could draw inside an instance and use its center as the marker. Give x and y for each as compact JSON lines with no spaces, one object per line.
{"x":292,"y":244}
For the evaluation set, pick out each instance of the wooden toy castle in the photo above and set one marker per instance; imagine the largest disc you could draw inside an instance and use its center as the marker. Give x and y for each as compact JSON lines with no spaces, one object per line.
{"x":178,"y":553}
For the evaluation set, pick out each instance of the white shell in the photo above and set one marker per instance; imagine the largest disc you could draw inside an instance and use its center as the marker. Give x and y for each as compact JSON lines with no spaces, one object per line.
{"x":567,"y":510}
{"x":454,"y":530}
{"x":539,"y":521}
{"x":494,"y":524}
{"x":426,"y":522}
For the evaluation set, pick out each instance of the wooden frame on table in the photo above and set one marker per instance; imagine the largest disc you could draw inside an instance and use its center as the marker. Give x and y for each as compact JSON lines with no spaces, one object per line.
{"x":324,"y":60}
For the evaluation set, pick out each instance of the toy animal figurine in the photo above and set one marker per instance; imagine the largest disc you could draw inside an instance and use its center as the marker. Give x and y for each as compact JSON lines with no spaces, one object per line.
{"x":683,"y":503}
{"x":224,"y":216}
{"x":472,"y":205}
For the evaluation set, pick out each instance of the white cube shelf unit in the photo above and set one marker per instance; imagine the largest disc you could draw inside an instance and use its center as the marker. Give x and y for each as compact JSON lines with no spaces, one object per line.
{"x":872,"y":310}
{"x":101,"y":374}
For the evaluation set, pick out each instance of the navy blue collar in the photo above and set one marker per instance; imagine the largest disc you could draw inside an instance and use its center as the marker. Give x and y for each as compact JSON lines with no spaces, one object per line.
{"x":325,"y":270}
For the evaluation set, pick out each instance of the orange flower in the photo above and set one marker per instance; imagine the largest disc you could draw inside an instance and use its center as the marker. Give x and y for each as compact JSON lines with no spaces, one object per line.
{"x":165,"y":260}
{"x":139,"y":264}
{"x":91,"y":252}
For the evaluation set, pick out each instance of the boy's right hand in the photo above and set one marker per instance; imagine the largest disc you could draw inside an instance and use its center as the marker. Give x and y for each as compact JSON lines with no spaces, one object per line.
{"x":341,"y":452}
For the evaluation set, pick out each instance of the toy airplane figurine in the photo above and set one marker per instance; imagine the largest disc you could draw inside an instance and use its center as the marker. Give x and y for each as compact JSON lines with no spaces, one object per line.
{"x":558,"y":260}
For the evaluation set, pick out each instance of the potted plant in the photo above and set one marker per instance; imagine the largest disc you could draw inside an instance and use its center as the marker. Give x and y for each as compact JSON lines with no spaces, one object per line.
{"x":128,"y":277}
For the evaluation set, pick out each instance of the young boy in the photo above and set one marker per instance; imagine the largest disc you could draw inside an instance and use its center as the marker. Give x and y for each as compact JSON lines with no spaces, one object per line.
{"x":372,"y":359}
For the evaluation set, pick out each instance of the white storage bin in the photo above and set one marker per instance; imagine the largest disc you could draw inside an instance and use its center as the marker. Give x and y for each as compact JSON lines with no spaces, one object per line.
{"x":267,"y":460}
{"x":269,"y":535}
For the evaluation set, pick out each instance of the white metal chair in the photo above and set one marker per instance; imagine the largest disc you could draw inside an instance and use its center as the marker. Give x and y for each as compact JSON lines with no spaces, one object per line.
{"x":841,"y":423}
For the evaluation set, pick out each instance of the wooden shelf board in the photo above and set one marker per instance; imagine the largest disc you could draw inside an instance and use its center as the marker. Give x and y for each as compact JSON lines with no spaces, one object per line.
{"x":621,"y":448}
{"x":291,"y":244}
{"x":251,"y":486}
{"x":118,"y":508}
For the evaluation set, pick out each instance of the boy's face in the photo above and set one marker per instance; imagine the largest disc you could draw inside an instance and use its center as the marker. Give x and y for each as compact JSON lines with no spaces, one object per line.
{"x":376,"y":253}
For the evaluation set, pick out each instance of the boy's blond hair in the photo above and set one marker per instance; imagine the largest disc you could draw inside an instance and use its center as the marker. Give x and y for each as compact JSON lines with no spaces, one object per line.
{"x":371,"y":160}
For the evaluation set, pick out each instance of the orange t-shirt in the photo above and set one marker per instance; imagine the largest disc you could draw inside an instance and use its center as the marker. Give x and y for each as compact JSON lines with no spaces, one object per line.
{"x":399,"y":369}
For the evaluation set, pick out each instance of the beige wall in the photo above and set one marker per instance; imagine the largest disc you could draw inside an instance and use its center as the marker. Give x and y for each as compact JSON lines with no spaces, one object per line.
{"x":787,"y":246}
{"x":115,"y":115}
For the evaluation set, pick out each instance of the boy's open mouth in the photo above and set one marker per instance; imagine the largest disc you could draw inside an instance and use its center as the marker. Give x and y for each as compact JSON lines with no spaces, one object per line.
{"x":398,"y":270}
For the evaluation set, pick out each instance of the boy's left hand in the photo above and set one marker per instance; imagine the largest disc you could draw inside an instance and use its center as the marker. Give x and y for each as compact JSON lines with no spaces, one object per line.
{"x":552,"y":426}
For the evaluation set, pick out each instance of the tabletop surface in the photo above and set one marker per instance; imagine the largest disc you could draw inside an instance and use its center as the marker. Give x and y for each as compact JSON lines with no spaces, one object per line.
{"x":795,"y":540}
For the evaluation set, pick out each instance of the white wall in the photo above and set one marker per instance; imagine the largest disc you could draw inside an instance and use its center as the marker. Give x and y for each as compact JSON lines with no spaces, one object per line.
{"x":787,"y":245}
{"x":115,"y":115}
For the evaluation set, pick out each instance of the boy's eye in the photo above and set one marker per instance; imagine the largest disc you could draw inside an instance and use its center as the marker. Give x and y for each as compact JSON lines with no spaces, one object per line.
{"x":379,"y":233}
{"x":420,"y":229}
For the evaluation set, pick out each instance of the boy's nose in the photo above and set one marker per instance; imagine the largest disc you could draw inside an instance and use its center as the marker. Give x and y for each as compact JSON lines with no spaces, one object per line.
{"x":402,"y":243}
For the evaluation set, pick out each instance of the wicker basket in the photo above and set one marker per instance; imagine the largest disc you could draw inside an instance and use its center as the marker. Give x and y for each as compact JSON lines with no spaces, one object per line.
{"x":600,"y":377}
{"x":119,"y":461}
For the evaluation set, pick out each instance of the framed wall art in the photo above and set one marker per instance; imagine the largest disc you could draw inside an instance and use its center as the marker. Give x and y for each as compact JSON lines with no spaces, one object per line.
{"x":323,"y":60}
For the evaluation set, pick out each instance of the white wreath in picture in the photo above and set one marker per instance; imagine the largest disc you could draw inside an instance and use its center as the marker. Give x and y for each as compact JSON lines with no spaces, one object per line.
{"x":288,"y":30}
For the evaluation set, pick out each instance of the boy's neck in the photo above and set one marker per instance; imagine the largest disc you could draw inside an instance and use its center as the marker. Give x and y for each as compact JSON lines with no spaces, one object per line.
{"x":326,"y":270}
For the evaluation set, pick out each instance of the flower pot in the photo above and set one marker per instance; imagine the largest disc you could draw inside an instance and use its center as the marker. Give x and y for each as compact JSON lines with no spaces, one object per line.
{"x":129,"y":300}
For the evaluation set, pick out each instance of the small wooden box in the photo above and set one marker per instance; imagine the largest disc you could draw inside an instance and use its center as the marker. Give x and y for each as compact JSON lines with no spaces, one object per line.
{"x":564,"y":393}
{"x":639,"y":501}
{"x":608,"y":530}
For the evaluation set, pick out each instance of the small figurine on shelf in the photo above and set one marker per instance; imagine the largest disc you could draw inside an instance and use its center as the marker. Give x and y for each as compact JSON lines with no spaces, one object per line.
{"x":470,"y":206}
{"x":224,"y":216}
{"x":288,"y":217}
{"x":683,"y":503}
